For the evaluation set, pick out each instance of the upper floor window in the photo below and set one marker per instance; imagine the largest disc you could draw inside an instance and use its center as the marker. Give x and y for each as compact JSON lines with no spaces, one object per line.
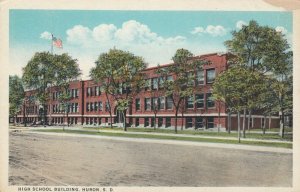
{"x":155,"y":83}
{"x":170,"y":78}
{"x":97,"y":91}
{"x":161,"y":82}
{"x":100,"y":106}
{"x":199,"y":100}
{"x":137,"y":104}
{"x":169,"y":104}
{"x":209,"y":100}
{"x":147,"y":104}
{"x":161,"y":103}
{"x":210,"y":75}
{"x":190,"y":102}
{"x":200,"y":77}
{"x":147,"y":84}
{"x":88,"y":91}
{"x":155,"y":103}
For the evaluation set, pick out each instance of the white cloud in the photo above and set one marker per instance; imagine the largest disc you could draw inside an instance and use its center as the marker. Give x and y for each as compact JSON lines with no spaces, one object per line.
{"x":46,"y":35}
{"x":217,"y":30}
{"x":131,"y":32}
{"x":78,"y":34}
{"x":104,"y":32}
{"x":281,"y":29}
{"x":240,"y":24}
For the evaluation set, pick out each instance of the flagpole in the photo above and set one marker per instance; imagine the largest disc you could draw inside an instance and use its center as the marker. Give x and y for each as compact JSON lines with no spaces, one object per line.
{"x":51,"y":43}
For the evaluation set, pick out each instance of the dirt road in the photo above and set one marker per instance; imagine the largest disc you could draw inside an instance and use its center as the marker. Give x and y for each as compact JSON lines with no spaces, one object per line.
{"x":37,"y":159}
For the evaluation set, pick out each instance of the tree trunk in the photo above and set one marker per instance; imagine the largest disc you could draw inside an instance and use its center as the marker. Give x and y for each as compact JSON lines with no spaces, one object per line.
{"x":249,"y":120}
{"x":155,"y":121}
{"x":124,"y":120}
{"x":264,"y":127}
{"x":44,"y":114}
{"x":181,"y":120}
{"x":110,"y":113}
{"x":270,"y":121}
{"x":239,"y":126}
{"x":229,"y":122}
{"x":68,"y":117}
{"x":282,"y":124}
{"x":176,"y":114}
{"x":219,"y":124}
{"x":244,"y":123}
{"x":24,"y":115}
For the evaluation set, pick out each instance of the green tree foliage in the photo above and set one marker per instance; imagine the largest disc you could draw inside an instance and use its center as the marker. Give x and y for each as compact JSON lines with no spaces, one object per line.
{"x":181,"y":85}
{"x":263,"y":49}
{"x":16,"y":95}
{"x":45,"y":70}
{"x":120,"y":73}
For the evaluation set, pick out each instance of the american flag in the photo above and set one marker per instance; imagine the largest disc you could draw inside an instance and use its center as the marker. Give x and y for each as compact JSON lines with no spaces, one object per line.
{"x":57,"y":42}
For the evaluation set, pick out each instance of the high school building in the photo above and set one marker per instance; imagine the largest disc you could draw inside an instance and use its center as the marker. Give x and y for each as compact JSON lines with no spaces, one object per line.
{"x":90,"y":107}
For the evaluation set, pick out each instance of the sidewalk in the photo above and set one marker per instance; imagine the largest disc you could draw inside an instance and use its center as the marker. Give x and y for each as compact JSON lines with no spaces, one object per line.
{"x":152,"y":133}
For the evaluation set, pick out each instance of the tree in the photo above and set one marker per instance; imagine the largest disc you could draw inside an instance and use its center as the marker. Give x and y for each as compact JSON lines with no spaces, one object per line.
{"x":66,"y":71}
{"x":38,"y":74}
{"x":16,"y":95}
{"x":179,"y":83}
{"x":44,"y":70}
{"x":261,"y":49}
{"x":232,"y":87}
{"x":121,"y":73}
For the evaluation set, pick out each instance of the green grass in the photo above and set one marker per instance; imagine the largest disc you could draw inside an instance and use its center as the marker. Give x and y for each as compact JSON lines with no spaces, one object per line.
{"x":204,"y":133}
{"x":150,"y":136}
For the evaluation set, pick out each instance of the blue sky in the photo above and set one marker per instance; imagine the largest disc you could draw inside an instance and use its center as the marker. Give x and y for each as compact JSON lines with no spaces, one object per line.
{"x":154,"y":35}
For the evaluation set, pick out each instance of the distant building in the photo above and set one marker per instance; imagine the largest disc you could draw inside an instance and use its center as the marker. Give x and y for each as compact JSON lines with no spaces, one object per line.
{"x":89,"y":106}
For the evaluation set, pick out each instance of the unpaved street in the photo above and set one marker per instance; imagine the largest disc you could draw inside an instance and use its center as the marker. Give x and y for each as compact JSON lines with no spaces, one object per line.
{"x":38,"y":159}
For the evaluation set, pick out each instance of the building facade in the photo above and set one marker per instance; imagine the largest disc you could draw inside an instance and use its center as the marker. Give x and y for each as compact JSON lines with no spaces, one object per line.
{"x":90,"y":106}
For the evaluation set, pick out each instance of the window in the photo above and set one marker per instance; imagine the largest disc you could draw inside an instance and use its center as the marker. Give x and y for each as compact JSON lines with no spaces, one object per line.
{"x":169,"y":103}
{"x":147,"y":84}
{"x":170,"y":78}
{"x":91,"y":106}
{"x":161,"y":82}
{"x":155,"y":103}
{"x":96,"y":106}
{"x":97,"y":91}
{"x":160,"y":122}
{"x":189,"y":122}
{"x":87,"y":106}
{"x":199,"y":122}
{"x":100,"y":106}
{"x":147,"y":104}
{"x":88,"y":91}
{"x":210,"y":122}
{"x":190,"y":102}
{"x":161,"y":102}
{"x":76,"y":93}
{"x":146,"y":121}
{"x":73,"y":108}
{"x":152,"y":121}
{"x":199,"y":100}
{"x":155,"y":83}
{"x":76,"y":108}
{"x":210,"y":75}
{"x":107,"y":106}
{"x":209,"y":100}
{"x":168,"y":122}
{"x":200,"y":77}
{"x":137,"y":104}
{"x":137,"y":122}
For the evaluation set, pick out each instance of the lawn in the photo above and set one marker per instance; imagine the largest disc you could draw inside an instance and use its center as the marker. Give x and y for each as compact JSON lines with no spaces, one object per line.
{"x":275,"y":136}
{"x":171,"y":137}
